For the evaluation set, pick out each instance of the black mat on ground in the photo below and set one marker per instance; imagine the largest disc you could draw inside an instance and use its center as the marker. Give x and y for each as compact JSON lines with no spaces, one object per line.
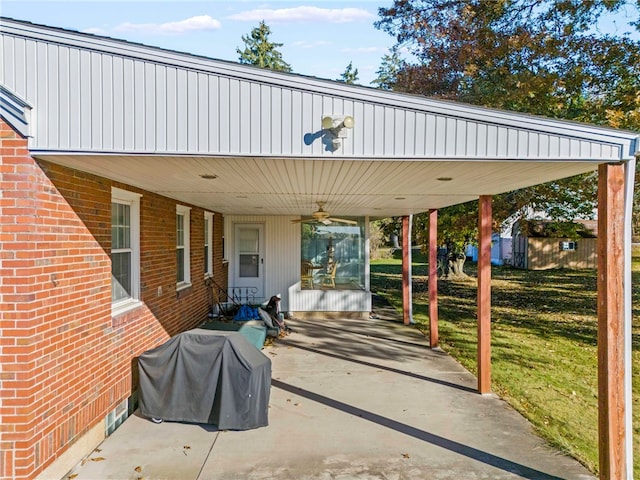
{"x":205,"y":376}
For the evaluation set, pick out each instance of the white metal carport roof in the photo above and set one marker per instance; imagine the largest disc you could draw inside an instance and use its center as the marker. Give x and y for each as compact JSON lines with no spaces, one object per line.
{"x":160,"y":120}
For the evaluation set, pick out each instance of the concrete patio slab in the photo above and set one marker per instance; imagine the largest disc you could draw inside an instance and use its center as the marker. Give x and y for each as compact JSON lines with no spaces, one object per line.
{"x":141,"y":449}
{"x":350,"y":399}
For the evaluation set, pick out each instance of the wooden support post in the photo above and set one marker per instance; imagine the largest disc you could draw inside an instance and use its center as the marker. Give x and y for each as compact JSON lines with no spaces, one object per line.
{"x":611,"y":346}
{"x":433,"y":278}
{"x":406,"y":271}
{"x":484,"y":294}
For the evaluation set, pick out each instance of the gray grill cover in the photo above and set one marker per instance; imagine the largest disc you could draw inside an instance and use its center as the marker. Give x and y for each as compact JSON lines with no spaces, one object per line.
{"x":206,"y":376}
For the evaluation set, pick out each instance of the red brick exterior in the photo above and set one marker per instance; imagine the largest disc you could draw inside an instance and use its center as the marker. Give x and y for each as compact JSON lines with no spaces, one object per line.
{"x":64,"y":361}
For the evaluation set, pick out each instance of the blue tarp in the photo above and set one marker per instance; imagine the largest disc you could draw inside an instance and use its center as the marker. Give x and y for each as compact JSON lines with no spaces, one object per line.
{"x":245,"y":312}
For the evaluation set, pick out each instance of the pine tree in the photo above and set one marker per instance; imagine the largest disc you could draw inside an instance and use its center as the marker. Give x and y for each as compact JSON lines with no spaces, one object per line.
{"x":350,"y":74}
{"x":390,"y":67}
{"x":261,"y":52}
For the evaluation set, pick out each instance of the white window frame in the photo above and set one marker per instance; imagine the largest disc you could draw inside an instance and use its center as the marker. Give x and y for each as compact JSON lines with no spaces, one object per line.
{"x":185,"y":212}
{"x":133,"y":200}
{"x":208,"y":242}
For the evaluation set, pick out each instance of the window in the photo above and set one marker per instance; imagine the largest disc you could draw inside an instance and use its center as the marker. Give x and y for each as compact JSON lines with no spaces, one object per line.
{"x":208,"y":244}
{"x":125,"y":250}
{"x":333,"y":256}
{"x":571,"y":246}
{"x":249,"y":251}
{"x":183,"y":253}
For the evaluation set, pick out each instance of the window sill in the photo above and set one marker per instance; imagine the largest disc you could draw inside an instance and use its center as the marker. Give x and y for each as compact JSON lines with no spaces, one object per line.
{"x":124,"y":307}
{"x":182,"y":286}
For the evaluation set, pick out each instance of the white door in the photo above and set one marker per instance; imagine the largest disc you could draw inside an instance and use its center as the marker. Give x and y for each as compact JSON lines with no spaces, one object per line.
{"x":249,"y":271}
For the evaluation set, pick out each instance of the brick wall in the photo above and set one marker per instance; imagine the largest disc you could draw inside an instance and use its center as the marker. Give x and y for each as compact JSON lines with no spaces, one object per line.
{"x":64,"y":361}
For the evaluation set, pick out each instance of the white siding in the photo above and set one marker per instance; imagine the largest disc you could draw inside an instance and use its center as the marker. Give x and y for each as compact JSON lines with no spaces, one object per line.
{"x":282,"y":268}
{"x":102,"y":95}
{"x":330,"y":301}
{"x":281,"y":254}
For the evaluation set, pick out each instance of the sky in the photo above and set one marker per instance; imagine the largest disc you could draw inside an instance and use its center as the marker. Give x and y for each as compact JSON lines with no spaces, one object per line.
{"x":320,"y":37}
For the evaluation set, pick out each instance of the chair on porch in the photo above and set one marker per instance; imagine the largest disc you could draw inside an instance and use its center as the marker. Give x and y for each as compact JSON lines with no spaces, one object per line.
{"x":306,"y":275}
{"x":329,"y":278}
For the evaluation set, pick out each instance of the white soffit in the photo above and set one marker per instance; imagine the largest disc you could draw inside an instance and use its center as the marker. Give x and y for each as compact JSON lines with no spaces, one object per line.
{"x":246,"y":186}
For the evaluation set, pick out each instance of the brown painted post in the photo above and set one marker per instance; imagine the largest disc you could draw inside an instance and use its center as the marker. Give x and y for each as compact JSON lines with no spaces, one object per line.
{"x":611,"y":347}
{"x":406,"y":297}
{"x":484,"y":294}
{"x":433,"y":278}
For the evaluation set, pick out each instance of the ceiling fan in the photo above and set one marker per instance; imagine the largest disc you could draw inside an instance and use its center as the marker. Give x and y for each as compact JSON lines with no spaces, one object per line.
{"x":322,"y":216}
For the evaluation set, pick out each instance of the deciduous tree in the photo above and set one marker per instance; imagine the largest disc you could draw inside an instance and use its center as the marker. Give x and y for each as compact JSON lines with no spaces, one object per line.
{"x":543,"y":57}
{"x":534,"y":56}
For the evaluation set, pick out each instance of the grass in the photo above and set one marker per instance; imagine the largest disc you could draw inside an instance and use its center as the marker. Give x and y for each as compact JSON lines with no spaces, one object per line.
{"x":544,"y":336}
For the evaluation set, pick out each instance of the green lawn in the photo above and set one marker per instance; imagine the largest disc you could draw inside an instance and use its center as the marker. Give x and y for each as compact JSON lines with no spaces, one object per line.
{"x":544,"y":335}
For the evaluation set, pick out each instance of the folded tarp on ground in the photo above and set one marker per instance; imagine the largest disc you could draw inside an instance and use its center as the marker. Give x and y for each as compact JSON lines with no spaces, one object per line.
{"x":206,"y":376}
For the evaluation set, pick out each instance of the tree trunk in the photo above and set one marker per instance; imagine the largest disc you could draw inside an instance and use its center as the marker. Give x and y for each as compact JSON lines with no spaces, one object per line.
{"x":456,"y":265}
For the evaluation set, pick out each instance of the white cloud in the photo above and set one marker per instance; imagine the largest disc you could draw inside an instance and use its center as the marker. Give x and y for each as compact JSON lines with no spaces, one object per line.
{"x":304,"y":14}
{"x":199,"y":22}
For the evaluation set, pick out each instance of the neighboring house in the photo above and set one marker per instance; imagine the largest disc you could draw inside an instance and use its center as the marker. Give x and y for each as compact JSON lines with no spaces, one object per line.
{"x":538,"y":246}
{"x":132,"y":175}
{"x":500,"y":250}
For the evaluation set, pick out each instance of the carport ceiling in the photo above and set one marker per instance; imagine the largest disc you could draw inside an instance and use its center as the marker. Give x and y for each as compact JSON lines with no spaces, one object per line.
{"x":291,"y":186}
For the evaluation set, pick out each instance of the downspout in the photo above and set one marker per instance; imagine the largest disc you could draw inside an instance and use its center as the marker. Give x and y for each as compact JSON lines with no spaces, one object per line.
{"x":630,"y":173}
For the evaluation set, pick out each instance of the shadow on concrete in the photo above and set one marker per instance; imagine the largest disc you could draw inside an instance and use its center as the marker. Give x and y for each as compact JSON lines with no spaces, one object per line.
{"x":382,"y":367}
{"x":459,"y":448}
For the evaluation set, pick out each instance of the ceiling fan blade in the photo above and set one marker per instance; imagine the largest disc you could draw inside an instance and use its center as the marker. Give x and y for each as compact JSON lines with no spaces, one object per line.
{"x":303,"y":220}
{"x":343,"y":220}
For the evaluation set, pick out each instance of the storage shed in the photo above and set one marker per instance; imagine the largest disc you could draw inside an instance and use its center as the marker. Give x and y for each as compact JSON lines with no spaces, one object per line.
{"x":536,"y":246}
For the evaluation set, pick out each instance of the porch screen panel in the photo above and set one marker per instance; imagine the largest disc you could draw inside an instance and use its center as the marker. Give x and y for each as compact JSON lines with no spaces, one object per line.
{"x":333,"y":256}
